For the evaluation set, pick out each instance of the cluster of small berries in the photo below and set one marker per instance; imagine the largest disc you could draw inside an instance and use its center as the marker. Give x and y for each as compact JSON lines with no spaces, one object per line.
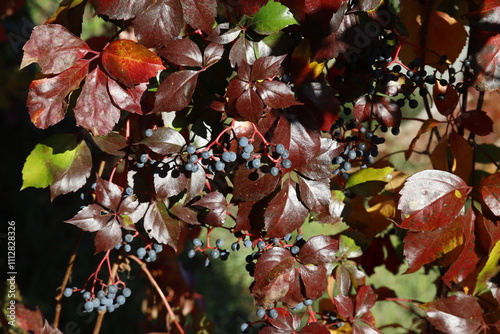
{"x":216,"y":252}
{"x":108,"y":300}
{"x":149,"y":253}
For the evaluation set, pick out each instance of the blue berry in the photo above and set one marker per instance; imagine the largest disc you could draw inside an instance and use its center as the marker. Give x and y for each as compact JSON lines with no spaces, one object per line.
{"x":141,"y":252}
{"x":191,"y":253}
{"x":273,"y":313}
{"x":197,"y":242}
{"x":235,"y":246}
{"x":308,"y":302}
{"x":158,"y":248}
{"x":261,"y":244}
{"x":362,"y":146}
{"x":247,"y":243}
{"x":88,"y":306}
{"x":96,"y":302}
{"x":280,"y":148}
{"x":243,"y":141}
{"x":126,"y":292}
{"x":101,"y":294}
{"x":193,"y":158}
{"x":232,"y":156}
{"x":261,"y":313}
{"x":111,"y":308}
{"x":215,"y":253}
{"x":140,"y":165}
{"x":149,"y":132}
{"x":112,"y":289}
{"x":339,"y":160}
{"x":101,"y":308}
{"x":299,"y":306}
{"x":191,"y":149}
{"x":256,"y":163}
{"x":120,"y":300}
{"x":295,"y":250}
{"x":144,"y":158}
{"x":274,"y":171}
{"x":86,"y":295}
{"x":127,"y":248}
{"x":128,"y":237}
{"x":244,"y":327}
{"x":68,"y":292}
{"x":206,"y":154}
{"x":245,"y":155}
{"x":189,"y":166}
{"x":285,"y":154}
{"x":287,"y":237}
{"x":225,"y":156}
{"x":286,"y":163}
{"x":219,"y":242}
{"x":207,"y":263}
{"x":219,"y":166}
{"x":249,"y":148}
{"x":129,"y":191}
{"x":152,"y":255}
{"x":352,"y":154}
{"x":346,"y":166}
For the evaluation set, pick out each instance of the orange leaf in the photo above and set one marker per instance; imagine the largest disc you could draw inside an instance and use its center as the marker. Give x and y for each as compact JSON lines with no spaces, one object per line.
{"x":130,"y":63}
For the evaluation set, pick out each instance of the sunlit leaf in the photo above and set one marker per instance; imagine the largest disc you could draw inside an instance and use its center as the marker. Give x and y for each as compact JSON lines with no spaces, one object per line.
{"x":217,"y":204}
{"x":272,"y":18}
{"x":183,"y":52}
{"x":431,"y":199}
{"x":54,"y":48}
{"x":180,"y":84}
{"x":165,"y":141}
{"x":487,"y":63}
{"x":477,"y":122}
{"x":47,"y":98}
{"x":122,"y":9}
{"x":200,"y":14}
{"x":130,"y":63}
{"x":94,"y":108}
{"x":490,"y":270}
{"x":490,"y":191}
{"x":161,"y":226}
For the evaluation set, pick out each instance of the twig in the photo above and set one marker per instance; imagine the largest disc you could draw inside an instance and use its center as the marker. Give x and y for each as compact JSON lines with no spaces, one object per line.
{"x":159,"y":290}
{"x":59,"y":297}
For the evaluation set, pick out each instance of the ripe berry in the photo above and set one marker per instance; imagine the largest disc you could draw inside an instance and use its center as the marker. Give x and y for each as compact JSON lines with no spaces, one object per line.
{"x":261,"y":244}
{"x":112,"y":289}
{"x":287,"y":237}
{"x":120,"y":300}
{"x":225,"y":156}
{"x":396,"y":69}
{"x":243,"y":141}
{"x":395,"y":131}
{"x":144,"y":158}
{"x":308,"y":302}
{"x":149,"y":132}
{"x":206,"y":154}
{"x":413,"y":104}
{"x":68,"y":292}
{"x":86,"y":295}
{"x":249,"y":148}
{"x":247,"y":243}
{"x":129,"y":191}
{"x":352,"y":154}
{"x":215,"y":253}
{"x":244,"y":327}
{"x":141,"y":252}
{"x":219,"y":165}
{"x":191,"y":149}
{"x":219,"y":242}
{"x":89,"y":306}
{"x":285,"y":154}
{"x":191,"y":253}
{"x":346,"y":166}
{"x":158,"y":248}
{"x":197,"y":242}
{"x":235,"y":246}
{"x":126,"y":292}
{"x":127,"y":248}
{"x":362,"y":146}
{"x":101,"y":294}
{"x":286,"y":163}
{"x":256,"y":163}
{"x":295,"y":250}
{"x":274,"y":171}
{"x":280,"y":149}
{"x":261,"y":313}
{"x":273,"y":313}
{"x":232,"y":156}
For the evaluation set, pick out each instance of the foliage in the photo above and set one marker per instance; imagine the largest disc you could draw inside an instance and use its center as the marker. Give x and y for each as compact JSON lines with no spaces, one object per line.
{"x":259,"y":118}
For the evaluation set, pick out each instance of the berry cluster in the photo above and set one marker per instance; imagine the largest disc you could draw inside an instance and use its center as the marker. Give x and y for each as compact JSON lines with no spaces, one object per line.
{"x":108,"y":300}
{"x":216,"y":252}
{"x":149,"y":252}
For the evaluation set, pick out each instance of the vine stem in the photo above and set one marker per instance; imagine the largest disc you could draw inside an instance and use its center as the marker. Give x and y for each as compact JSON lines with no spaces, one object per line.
{"x":160,"y":292}
{"x":100,"y":317}
{"x":69,"y":269}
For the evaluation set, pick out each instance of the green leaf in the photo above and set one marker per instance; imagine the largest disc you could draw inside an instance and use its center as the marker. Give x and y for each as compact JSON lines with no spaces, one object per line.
{"x":50,"y":160}
{"x":369,"y":181}
{"x":271,"y":18}
{"x":348,"y":248}
{"x":490,"y":269}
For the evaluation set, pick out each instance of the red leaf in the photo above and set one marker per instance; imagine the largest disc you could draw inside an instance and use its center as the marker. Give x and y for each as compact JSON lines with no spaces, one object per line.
{"x":431,"y":199}
{"x":315,"y":194}
{"x":345,"y":307}
{"x":91,"y":218}
{"x":169,"y":181}
{"x":108,"y":237}
{"x":285,"y":320}
{"x":490,"y":191}
{"x":127,"y":98}
{"x":160,"y":23}
{"x":236,"y":87}
{"x":322,"y":102}
{"x":76,"y":175}
{"x":108,"y":194}
{"x":112,"y":143}
{"x":303,"y":143}
{"x":285,"y":212}
{"x":445,"y":98}
{"x":200,"y":14}
{"x":195,"y":184}
{"x":266,"y":67}
{"x":385,"y":110}
{"x":47,"y":101}
{"x":456,"y":314}
{"x":477,"y":122}
{"x":424,"y":247}
{"x":54,"y":48}
{"x":313,"y":280}
{"x":242,"y":51}
{"x":364,"y":300}
{"x":179,"y":84}
{"x":315,"y":328}
{"x":94,"y":109}
{"x":165,"y":141}
{"x":182,"y":52}
{"x":318,"y":167}
{"x":487,"y":63}
{"x":213,"y":53}
{"x":318,"y":250}
{"x":276,"y":94}
{"x":29,"y":318}
{"x":130,"y":63}
{"x":249,"y":105}
{"x":467,"y":260}
{"x":161,"y":226}
{"x":217,"y":204}
{"x":121,"y":9}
